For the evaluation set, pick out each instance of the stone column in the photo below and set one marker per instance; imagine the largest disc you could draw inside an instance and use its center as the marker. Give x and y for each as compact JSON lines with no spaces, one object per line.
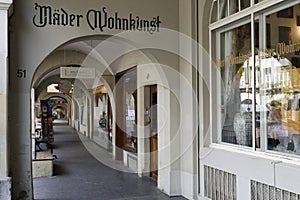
{"x":5,"y":182}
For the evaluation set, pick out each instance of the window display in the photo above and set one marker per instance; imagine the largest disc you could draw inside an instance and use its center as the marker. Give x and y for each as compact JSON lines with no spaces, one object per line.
{"x":259,"y":90}
{"x":126,"y":88}
{"x":236,"y":89}
{"x":280,"y":82}
{"x":102,"y":126}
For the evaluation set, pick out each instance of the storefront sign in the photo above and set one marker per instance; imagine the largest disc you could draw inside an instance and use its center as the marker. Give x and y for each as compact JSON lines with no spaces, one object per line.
{"x":95,"y":19}
{"x":77,"y":72}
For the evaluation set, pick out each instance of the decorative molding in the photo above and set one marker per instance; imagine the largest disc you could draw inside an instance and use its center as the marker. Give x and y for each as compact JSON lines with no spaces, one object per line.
{"x":5,"y":5}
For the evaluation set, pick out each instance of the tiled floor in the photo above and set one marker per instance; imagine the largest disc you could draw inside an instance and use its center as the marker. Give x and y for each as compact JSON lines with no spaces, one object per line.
{"x":78,"y":175}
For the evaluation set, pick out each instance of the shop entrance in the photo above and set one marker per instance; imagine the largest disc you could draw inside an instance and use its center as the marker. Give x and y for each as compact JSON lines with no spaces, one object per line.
{"x":153,"y":131}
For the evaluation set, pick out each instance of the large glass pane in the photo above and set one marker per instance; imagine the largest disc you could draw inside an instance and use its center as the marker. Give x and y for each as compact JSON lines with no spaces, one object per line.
{"x":130,"y":109}
{"x":126,"y":104}
{"x":236,"y":93}
{"x":280,"y":82}
{"x":258,"y":106}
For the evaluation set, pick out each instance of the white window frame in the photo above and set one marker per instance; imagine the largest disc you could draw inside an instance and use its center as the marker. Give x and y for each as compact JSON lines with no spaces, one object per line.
{"x":255,"y":11}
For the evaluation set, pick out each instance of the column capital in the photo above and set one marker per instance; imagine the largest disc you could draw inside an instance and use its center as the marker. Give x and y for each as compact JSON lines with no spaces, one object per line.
{"x":5,"y":4}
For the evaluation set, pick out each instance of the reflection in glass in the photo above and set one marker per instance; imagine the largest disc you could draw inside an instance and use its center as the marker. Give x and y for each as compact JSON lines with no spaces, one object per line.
{"x":276,"y":79}
{"x":279,"y":84}
{"x":130,"y":120}
{"x":126,"y":106}
{"x":234,"y":6}
{"x":223,"y":8}
{"x":236,"y":95}
{"x":296,"y":99}
{"x":245,"y":4}
{"x":214,"y":12}
{"x":130,"y":82}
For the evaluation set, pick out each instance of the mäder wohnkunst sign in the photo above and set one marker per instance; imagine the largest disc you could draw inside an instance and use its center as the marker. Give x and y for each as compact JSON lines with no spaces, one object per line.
{"x":96,"y":19}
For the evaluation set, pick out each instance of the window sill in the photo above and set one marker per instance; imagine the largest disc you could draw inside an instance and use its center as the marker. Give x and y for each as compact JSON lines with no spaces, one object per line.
{"x":269,"y":155}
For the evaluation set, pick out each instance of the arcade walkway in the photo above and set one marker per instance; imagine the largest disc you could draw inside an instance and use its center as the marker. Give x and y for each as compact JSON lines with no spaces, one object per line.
{"x":78,"y":175}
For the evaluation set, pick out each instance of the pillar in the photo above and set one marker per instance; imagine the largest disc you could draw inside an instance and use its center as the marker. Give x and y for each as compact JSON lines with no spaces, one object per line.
{"x":5,"y":181}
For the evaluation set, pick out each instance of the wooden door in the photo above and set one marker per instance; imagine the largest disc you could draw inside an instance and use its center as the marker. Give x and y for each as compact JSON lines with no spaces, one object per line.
{"x":153,"y":129}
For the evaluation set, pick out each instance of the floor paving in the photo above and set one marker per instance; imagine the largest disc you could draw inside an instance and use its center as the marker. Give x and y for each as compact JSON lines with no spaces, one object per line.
{"x":79,"y":175}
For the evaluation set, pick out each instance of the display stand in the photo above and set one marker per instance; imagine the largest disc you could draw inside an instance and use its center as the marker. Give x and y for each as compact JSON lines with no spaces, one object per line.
{"x":43,"y":163}
{"x":47,"y":121}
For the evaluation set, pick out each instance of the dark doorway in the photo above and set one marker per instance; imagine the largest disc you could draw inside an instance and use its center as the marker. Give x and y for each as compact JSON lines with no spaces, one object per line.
{"x":153,"y":131}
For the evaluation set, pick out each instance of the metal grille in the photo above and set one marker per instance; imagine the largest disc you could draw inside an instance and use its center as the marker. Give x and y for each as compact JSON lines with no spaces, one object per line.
{"x":260,"y":191}
{"x":218,"y":184}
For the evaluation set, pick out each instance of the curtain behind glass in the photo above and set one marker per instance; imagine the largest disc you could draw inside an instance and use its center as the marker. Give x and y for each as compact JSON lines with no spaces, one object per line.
{"x":235,"y":48}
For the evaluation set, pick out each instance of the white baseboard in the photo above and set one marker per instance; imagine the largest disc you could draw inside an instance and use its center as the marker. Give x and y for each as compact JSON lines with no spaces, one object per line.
{"x":182,"y":184}
{"x":188,"y":185}
{"x":175,"y":183}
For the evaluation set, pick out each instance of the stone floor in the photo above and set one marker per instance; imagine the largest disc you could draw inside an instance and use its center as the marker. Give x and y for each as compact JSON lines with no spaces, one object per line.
{"x":78,"y":175}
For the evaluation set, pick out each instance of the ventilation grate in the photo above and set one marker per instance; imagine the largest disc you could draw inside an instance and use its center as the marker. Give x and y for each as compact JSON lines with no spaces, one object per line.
{"x":260,"y":191}
{"x":218,"y":184}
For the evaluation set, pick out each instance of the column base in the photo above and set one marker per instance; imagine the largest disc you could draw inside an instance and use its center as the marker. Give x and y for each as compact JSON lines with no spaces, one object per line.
{"x":5,"y":188}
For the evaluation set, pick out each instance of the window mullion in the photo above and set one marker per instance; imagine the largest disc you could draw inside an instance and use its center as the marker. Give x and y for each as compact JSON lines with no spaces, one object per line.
{"x":242,"y":14}
{"x":228,"y":8}
{"x":218,"y":4}
{"x":253,"y":72}
{"x":263,"y":120}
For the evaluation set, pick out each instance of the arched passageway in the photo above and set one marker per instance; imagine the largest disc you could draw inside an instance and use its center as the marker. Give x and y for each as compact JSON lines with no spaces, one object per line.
{"x":82,"y":91}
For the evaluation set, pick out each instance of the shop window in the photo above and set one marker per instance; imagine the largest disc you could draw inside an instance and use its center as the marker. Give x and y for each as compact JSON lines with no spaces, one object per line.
{"x":258,"y":88}
{"x":224,"y":8}
{"x":131,"y":136}
{"x":236,"y":89}
{"x":126,"y":95}
{"x":281,"y":83}
{"x":83,"y":109}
